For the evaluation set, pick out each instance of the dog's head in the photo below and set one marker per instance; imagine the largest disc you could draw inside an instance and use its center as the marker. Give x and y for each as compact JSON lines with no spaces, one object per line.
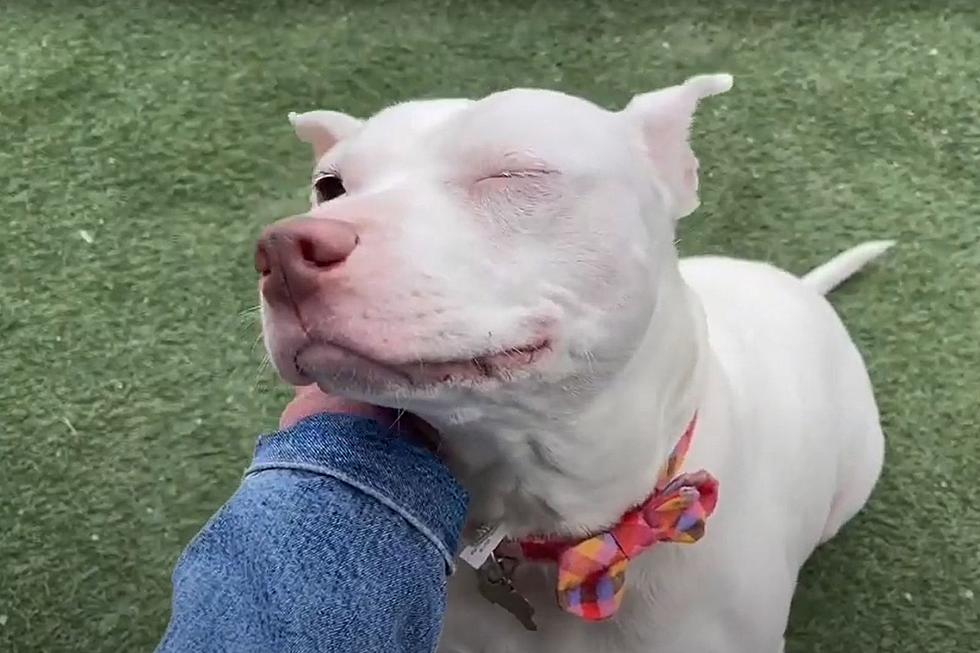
{"x":470,"y":253}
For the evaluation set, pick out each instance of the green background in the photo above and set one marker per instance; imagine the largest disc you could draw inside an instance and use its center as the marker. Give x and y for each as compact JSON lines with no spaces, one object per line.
{"x":132,"y":387}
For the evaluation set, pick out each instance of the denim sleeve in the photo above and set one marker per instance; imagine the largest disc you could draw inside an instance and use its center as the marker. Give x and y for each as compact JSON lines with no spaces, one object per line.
{"x":340,"y":538}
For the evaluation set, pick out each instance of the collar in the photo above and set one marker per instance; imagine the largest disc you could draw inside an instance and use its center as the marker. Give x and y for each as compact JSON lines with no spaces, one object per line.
{"x":592,"y":571}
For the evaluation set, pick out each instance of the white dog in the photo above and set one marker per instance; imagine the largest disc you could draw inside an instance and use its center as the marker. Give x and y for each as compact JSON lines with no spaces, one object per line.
{"x":505,"y":268}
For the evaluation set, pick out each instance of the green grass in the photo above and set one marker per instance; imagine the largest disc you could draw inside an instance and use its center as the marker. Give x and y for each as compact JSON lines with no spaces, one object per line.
{"x":131,"y":391}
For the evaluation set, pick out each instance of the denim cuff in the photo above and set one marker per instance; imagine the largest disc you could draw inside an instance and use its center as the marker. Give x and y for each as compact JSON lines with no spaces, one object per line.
{"x":379,"y":462}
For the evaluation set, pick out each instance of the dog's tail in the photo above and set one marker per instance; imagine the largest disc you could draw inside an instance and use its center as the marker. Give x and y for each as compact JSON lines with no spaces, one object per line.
{"x":834,"y":272}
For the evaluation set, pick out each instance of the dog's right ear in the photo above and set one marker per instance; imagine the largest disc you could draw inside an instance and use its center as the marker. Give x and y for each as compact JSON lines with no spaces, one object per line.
{"x":323,"y":129}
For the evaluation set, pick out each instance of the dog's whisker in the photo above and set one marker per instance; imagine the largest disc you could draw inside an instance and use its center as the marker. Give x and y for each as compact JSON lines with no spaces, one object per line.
{"x":248,"y":318}
{"x":397,"y":421}
{"x":590,"y":361}
{"x":250,"y":315}
{"x":261,"y":371}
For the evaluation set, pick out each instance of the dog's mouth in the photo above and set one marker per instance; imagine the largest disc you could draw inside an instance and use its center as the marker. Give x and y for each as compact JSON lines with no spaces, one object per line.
{"x":339,"y":364}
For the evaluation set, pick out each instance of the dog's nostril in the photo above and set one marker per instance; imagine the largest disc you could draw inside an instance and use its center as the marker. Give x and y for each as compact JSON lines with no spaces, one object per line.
{"x":262,"y":261}
{"x":304,"y":245}
{"x":307,"y":249}
{"x":323,"y":253}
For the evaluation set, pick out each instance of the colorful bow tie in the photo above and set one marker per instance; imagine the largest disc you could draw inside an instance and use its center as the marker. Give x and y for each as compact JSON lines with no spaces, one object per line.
{"x":592,"y":572}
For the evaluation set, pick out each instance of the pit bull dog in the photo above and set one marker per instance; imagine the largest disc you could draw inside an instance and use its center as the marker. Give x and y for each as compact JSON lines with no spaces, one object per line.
{"x":505,"y":269}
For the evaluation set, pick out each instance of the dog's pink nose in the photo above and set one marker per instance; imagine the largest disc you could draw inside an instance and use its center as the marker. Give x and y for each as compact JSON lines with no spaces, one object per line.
{"x":294,"y":255}
{"x":313,"y":243}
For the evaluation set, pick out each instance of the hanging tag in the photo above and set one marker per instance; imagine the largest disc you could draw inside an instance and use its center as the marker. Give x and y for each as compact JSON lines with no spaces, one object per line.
{"x":496,"y":585}
{"x":488,"y":538}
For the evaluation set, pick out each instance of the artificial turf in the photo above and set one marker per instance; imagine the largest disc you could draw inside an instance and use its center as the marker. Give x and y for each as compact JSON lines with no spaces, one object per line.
{"x":143,"y":144}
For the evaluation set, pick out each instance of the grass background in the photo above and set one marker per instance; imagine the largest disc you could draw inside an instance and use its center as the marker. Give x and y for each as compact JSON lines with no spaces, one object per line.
{"x":131,"y":391}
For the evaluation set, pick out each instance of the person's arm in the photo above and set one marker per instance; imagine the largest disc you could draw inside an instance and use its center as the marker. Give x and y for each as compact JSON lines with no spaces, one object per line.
{"x":340,"y":538}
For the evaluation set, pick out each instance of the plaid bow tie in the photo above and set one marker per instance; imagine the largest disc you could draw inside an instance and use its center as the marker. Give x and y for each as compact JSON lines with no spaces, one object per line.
{"x":592,"y":572}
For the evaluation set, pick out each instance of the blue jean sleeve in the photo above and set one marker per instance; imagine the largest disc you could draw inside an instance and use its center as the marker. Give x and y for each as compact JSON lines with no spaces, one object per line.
{"x":340,"y":538}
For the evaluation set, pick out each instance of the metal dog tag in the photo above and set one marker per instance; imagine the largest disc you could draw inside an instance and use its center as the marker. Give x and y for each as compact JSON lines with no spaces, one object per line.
{"x":488,"y":538}
{"x":495,"y":585}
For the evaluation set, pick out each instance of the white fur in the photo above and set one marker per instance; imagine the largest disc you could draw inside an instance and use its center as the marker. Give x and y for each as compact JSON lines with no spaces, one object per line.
{"x":574,"y":242}
{"x":835,"y":271}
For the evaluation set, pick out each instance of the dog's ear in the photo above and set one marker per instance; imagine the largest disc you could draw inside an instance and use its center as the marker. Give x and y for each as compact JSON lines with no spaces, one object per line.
{"x":323,"y":129}
{"x":664,"y":118}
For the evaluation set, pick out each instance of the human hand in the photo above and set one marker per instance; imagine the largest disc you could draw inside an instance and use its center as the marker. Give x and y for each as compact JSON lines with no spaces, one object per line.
{"x":310,"y":400}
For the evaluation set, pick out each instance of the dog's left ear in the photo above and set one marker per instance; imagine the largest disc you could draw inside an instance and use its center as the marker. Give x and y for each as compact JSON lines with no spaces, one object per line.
{"x":664,"y":118}
{"x":323,"y":129}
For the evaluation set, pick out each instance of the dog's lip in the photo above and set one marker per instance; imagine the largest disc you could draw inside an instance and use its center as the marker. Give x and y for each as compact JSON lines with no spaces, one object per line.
{"x":495,"y":364}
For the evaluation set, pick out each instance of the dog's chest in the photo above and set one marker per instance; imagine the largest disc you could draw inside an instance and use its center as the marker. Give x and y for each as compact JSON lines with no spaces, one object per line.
{"x":475,"y":625}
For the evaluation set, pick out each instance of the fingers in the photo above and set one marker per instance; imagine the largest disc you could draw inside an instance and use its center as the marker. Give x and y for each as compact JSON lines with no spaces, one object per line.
{"x":311,"y":400}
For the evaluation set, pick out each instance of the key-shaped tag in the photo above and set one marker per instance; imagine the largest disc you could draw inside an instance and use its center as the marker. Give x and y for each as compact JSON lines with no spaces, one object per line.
{"x":495,"y":585}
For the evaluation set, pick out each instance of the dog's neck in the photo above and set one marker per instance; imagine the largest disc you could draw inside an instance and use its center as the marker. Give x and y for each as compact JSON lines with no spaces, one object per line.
{"x":579,"y":472}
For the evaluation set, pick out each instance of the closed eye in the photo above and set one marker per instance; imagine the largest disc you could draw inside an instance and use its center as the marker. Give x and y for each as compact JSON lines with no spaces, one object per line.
{"x":521,"y":173}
